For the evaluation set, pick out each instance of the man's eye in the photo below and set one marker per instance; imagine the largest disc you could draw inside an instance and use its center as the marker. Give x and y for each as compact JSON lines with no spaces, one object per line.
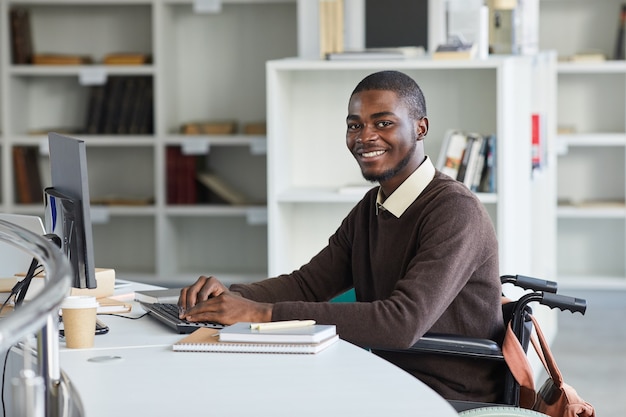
{"x":382,"y":124}
{"x":353,"y":126}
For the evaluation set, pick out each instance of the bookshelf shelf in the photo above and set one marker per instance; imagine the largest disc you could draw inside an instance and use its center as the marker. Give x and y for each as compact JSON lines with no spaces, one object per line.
{"x":591,"y":232}
{"x":305,"y":205}
{"x":203,"y":66}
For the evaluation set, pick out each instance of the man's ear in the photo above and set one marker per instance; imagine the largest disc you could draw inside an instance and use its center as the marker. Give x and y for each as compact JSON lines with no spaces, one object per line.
{"x":422,"y":128}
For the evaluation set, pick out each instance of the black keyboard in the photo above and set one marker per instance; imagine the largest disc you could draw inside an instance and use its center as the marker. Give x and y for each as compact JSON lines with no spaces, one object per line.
{"x":168,"y":314}
{"x":167,"y":309}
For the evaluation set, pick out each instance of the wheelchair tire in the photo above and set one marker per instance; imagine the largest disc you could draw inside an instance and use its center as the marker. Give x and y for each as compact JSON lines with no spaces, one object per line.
{"x":500,"y":411}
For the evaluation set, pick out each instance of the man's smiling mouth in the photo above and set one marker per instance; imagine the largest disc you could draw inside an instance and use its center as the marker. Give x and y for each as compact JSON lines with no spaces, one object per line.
{"x":372,"y":154}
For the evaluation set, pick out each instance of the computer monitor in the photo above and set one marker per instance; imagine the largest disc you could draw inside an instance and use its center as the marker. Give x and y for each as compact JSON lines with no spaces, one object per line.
{"x":67,"y":209}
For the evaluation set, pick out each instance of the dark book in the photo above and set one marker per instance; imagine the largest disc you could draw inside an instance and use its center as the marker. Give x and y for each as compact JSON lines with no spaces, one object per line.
{"x":488,"y":177}
{"x":95,"y":109}
{"x":171,"y":161}
{"x":28,"y":184}
{"x":22,"y":194}
{"x":181,"y":177}
{"x":142,"y":119}
{"x":35,"y":185}
{"x":480,"y":164}
{"x":114,"y":93}
{"x":466,"y":158}
{"x":130,"y":90}
{"x":619,"y":42}
{"x":21,"y":36}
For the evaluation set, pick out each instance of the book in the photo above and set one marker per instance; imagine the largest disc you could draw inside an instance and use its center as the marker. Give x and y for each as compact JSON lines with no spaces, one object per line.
{"x":61,"y":59}
{"x":221,"y":189}
{"x":588,"y":56}
{"x":215,"y":127}
{"x":126,"y":58}
{"x":455,"y":51}
{"x":207,"y":340}
{"x":407,"y":52}
{"x":181,"y":177}
{"x":165,"y":296}
{"x":621,"y":28}
{"x":255,"y":128}
{"x":480,"y":165}
{"x":21,"y":36}
{"x":28,"y":182}
{"x":451,"y":154}
{"x":488,"y":178}
{"x":243,"y":332}
{"x":460,"y":176}
{"x":108,"y":305}
{"x":95,"y":108}
{"x":473,"y":158}
{"x":331,"y":26}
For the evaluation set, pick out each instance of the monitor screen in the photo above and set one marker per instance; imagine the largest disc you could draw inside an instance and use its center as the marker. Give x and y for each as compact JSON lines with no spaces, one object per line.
{"x":67,"y":209}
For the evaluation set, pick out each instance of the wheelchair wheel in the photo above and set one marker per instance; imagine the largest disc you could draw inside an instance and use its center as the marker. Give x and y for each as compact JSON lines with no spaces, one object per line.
{"x":500,"y":411}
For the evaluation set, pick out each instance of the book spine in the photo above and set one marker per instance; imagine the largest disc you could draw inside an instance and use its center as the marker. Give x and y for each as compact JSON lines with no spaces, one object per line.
{"x":619,"y":42}
{"x":452,"y":153}
{"x":480,"y":165}
{"x":466,"y":157}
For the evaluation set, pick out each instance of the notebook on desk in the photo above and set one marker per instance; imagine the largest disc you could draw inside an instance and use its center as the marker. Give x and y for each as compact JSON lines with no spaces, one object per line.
{"x":168,"y":315}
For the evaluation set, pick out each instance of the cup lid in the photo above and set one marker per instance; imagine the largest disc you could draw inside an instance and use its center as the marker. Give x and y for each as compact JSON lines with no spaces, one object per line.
{"x":79,"y":301}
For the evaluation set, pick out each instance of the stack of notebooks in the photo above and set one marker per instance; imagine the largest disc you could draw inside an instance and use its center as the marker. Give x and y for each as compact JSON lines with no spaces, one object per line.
{"x":276,"y":337}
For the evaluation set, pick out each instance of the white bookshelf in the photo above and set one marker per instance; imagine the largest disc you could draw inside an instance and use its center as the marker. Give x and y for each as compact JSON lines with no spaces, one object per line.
{"x":308,"y":161}
{"x":591,"y":145}
{"x":204,"y":66}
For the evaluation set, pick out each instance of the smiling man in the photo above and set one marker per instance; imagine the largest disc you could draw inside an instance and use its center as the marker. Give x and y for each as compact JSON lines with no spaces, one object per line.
{"x":420,"y":252}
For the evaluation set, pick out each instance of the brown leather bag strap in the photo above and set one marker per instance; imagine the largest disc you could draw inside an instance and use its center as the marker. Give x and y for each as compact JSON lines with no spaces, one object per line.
{"x":545,"y":354}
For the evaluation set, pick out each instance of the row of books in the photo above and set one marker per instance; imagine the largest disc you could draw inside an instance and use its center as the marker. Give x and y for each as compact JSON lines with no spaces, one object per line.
{"x":23,"y":51}
{"x":190,"y":182}
{"x":469,"y":158}
{"x":121,"y":106}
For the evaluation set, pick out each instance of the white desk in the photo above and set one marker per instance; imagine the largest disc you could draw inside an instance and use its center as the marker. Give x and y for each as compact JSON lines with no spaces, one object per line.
{"x":151,"y":379}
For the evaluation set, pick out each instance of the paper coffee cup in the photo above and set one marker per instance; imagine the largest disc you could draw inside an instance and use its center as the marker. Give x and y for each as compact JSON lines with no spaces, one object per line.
{"x":79,"y":320}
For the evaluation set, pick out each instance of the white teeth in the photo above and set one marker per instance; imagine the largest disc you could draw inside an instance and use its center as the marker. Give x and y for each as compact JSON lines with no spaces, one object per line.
{"x":372,"y":154}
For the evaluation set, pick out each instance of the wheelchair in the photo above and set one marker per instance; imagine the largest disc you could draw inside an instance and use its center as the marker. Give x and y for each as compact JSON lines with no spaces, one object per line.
{"x":516,"y":312}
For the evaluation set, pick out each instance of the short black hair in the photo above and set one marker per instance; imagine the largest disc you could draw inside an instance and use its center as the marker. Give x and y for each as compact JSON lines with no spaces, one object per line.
{"x":404,"y":86}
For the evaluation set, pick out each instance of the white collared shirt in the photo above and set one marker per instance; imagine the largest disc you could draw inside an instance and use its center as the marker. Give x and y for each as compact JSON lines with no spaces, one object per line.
{"x":408,"y":191}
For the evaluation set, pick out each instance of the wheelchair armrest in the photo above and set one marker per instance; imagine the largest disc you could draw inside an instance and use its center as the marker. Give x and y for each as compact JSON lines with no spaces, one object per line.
{"x":457,"y":345}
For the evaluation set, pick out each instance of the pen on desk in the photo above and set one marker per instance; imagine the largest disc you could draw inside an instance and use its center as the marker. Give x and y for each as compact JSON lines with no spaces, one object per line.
{"x":289,"y":324}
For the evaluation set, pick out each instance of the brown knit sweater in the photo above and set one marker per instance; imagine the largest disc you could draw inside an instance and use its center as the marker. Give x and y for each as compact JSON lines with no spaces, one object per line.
{"x":433,"y":269}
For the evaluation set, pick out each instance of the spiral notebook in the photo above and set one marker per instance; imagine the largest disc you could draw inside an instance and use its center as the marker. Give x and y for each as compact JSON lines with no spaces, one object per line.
{"x":207,"y":340}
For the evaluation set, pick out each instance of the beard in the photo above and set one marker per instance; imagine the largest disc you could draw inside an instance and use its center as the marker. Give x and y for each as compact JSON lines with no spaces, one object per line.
{"x":391,"y":172}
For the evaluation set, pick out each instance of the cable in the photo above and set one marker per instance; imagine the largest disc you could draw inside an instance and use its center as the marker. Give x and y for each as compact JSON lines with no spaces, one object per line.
{"x":23,"y":289}
{"x":128,"y":317}
{"x":4,"y":372}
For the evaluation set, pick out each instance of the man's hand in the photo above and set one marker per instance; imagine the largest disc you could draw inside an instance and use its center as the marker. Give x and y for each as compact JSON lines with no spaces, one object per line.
{"x":201,"y":290}
{"x":209,"y":300}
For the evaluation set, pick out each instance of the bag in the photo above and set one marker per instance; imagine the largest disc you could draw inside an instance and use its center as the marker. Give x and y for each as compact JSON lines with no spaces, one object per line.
{"x":555,"y":398}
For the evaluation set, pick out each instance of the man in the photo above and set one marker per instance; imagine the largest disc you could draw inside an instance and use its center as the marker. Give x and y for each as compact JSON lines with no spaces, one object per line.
{"x":420,"y":252}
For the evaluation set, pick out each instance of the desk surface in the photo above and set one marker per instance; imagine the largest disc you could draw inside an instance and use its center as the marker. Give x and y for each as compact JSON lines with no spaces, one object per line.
{"x":149,"y":378}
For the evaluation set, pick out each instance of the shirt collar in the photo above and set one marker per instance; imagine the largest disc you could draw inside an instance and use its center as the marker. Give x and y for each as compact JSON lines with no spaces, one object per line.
{"x":408,"y":191}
